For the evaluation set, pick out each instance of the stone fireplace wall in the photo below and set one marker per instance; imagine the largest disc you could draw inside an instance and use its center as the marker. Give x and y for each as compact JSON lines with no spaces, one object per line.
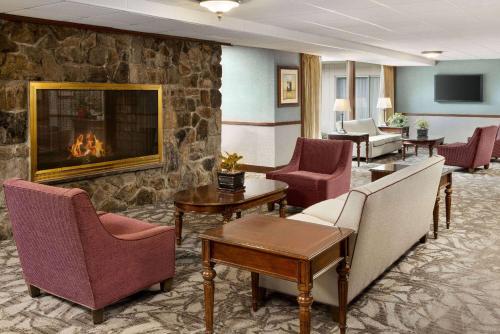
{"x":189,"y":72}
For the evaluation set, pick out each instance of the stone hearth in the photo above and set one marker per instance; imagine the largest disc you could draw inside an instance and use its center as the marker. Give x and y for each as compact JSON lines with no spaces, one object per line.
{"x":190,"y":75}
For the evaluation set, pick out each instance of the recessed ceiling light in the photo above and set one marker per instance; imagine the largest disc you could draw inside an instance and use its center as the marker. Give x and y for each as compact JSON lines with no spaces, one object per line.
{"x":432,"y":54}
{"x":219,"y":7}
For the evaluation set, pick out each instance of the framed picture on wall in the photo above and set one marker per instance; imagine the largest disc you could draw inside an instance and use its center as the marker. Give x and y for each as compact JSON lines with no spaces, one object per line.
{"x":288,"y":86}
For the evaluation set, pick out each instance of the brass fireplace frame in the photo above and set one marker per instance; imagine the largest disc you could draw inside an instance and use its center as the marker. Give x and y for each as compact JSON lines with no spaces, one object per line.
{"x":95,"y":169}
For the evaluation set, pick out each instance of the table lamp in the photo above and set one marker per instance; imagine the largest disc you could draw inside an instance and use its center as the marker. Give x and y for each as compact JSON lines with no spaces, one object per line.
{"x":342,"y":106}
{"x":384,"y":103}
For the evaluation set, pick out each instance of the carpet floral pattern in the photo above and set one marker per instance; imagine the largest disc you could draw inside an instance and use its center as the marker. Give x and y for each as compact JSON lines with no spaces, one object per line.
{"x":448,"y":285}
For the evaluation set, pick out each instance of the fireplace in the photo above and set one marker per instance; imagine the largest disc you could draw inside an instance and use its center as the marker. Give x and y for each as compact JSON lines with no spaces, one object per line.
{"x":83,"y":129}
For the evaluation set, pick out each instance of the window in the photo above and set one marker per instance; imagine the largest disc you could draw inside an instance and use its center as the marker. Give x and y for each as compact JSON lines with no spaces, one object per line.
{"x":367,"y":91}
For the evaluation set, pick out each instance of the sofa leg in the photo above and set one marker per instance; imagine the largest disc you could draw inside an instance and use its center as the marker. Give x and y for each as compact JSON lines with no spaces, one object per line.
{"x":166,"y":285}
{"x":97,"y":316}
{"x":270,"y":207}
{"x":471,"y":170}
{"x":487,"y":166}
{"x":33,"y":291}
{"x":423,"y":240}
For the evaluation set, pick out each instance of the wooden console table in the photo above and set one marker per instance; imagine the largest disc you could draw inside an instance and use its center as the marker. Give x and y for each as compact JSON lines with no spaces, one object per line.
{"x":292,"y":250}
{"x":357,"y":138}
{"x":445,"y":182}
{"x":208,"y":199}
{"x":404,"y":131}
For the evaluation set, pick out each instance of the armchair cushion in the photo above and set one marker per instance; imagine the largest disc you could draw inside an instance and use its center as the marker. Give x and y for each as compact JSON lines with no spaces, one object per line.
{"x":126,"y":228}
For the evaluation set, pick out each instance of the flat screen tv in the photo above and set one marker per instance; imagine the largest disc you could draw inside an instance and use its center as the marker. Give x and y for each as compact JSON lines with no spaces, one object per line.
{"x":458,"y":88}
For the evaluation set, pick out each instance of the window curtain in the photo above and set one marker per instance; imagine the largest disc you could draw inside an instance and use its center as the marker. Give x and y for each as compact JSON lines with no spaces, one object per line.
{"x":389,"y":88}
{"x":351,"y":88}
{"x":362,"y":97}
{"x":311,"y":95}
{"x":379,"y":114}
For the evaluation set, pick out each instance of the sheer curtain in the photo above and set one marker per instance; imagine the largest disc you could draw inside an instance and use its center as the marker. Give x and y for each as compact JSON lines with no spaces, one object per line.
{"x":362,"y":98}
{"x":311,"y":95}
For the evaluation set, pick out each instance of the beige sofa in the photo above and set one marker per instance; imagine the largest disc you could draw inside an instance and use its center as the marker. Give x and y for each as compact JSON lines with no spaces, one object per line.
{"x":389,"y":216}
{"x":380,"y":143}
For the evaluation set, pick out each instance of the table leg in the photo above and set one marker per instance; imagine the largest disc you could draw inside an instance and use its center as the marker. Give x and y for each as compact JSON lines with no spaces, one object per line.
{"x":255,"y":292}
{"x":343,"y":284}
{"x":431,"y":150}
{"x":226,"y":215}
{"x":367,"y":143}
{"x":283,"y":208}
{"x":208,"y":287}
{"x":448,"y":191}
{"x":270,"y":206}
{"x":416,"y":150}
{"x":305,"y":300}
{"x":178,"y":225}
{"x":403,"y":152}
{"x":435,"y":215}
{"x":358,"y":150}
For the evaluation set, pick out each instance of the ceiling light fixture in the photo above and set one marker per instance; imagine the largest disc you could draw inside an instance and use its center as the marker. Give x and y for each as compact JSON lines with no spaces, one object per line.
{"x":219,"y":7}
{"x":432,"y":54}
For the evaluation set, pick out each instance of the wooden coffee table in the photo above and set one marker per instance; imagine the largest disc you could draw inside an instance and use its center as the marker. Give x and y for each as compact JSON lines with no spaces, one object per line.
{"x":355,"y":137}
{"x":430,"y":143}
{"x":288,"y":249}
{"x":208,"y":199}
{"x":445,"y":182}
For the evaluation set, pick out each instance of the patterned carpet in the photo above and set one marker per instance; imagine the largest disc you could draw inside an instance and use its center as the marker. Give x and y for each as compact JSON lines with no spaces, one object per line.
{"x":449,"y":285}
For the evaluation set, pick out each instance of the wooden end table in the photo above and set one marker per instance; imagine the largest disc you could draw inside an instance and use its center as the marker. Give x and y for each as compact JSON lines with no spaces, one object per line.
{"x":430,"y":143}
{"x":355,"y":137}
{"x":404,"y":131}
{"x":445,"y":182}
{"x":292,"y":250}
{"x":208,"y":199}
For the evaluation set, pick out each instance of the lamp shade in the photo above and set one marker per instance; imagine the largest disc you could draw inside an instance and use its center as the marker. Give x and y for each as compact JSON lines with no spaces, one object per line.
{"x":341,"y":105}
{"x":384,"y":103}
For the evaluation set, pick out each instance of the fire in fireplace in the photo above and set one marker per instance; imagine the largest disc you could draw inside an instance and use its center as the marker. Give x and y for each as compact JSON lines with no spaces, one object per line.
{"x":81,"y":129}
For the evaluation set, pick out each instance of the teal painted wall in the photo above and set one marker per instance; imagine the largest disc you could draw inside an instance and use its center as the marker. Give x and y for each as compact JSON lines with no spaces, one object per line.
{"x":415,"y":88}
{"x":249,"y":85}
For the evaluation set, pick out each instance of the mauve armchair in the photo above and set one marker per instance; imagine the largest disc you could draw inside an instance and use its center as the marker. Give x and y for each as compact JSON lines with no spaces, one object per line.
{"x":496,"y":148}
{"x":475,"y":153}
{"x":92,"y":259}
{"x":319,"y":170}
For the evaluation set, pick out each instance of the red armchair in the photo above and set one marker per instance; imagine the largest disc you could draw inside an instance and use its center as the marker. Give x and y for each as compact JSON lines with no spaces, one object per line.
{"x":496,"y":148}
{"x":319,"y":170}
{"x":475,"y":153}
{"x":92,"y":259}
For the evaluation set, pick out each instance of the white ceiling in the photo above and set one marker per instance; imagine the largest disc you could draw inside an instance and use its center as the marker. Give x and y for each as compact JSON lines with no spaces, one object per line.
{"x":378,"y":31}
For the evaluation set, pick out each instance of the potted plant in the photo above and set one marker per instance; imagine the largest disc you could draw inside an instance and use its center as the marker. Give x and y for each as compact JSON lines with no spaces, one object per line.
{"x":229,"y":178}
{"x":398,"y":120}
{"x":422,"y":128}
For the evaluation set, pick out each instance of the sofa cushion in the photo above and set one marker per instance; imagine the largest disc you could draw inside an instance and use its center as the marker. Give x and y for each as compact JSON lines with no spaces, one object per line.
{"x":380,"y":140}
{"x":361,"y":125}
{"x":328,"y":210}
{"x":301,"y":178}
{"x":309,"y":219}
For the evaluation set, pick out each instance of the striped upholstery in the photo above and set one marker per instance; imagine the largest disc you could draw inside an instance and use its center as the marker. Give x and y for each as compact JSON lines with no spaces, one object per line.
{"x":68,"y":250}
{"x":475,"y":153}
{"x":319,"y":170}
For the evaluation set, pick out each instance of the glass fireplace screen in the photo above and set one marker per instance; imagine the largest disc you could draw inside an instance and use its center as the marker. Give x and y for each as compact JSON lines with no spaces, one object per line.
{"x":86,"y":128}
